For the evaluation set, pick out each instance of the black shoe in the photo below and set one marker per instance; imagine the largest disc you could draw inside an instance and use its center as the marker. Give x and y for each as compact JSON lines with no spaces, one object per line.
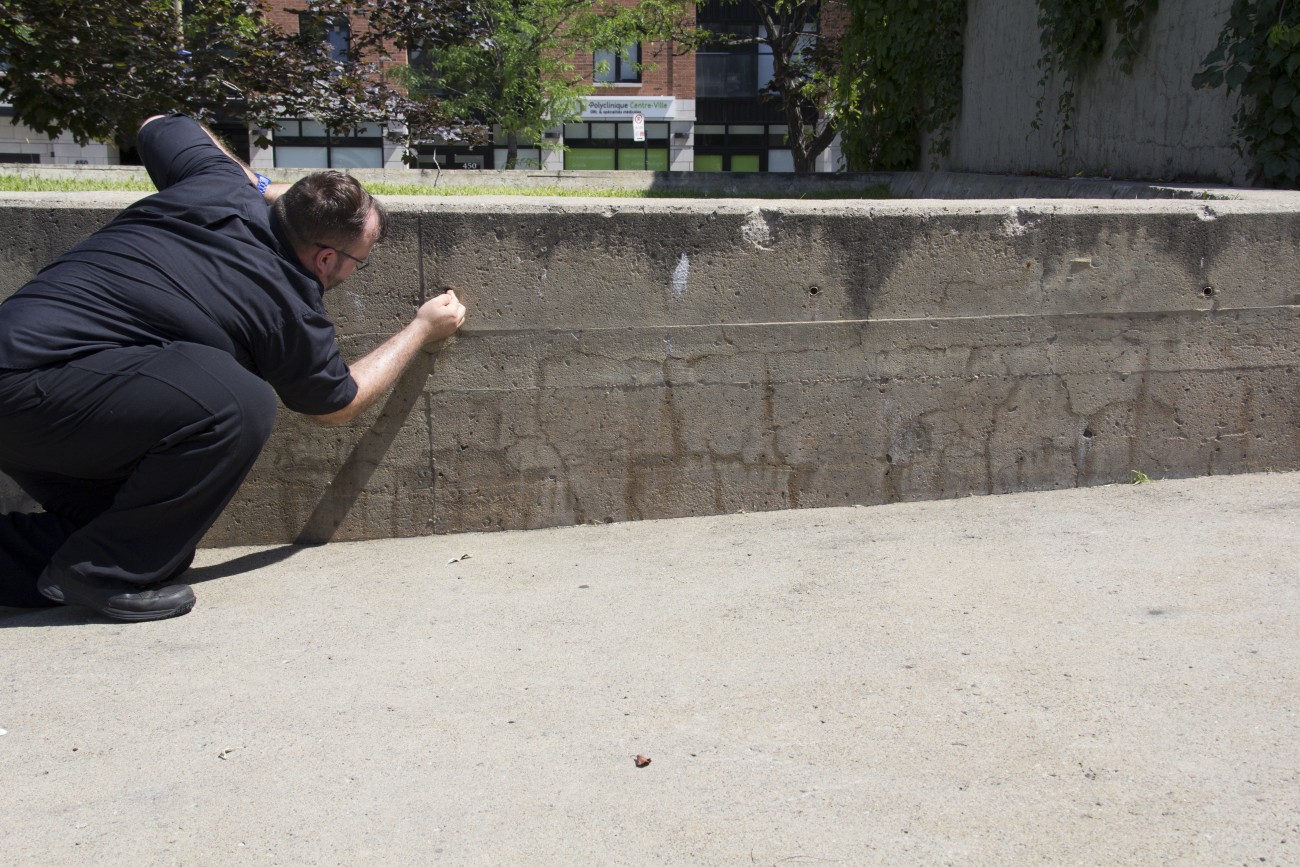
{"x":119,"y":600}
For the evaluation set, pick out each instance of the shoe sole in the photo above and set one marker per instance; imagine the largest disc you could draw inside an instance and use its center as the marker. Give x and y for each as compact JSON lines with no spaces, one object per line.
{"x":139,"y":616}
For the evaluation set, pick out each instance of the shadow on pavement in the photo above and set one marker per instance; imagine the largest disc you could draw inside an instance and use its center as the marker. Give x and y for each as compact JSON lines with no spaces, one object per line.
{"x":66,"y":615}
{"x":245,"y":563}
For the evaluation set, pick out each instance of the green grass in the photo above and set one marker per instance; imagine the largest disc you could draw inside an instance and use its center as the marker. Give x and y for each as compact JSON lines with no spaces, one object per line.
{"x":21,"y":183}
{"x":384,"y":188}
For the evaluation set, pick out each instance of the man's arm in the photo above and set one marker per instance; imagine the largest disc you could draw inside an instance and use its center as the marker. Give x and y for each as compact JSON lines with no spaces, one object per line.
{"x":379,"y":370}
{"x":271,"y":193}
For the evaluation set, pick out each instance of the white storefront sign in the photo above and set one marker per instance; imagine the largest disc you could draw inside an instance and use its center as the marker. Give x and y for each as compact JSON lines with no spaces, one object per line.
{"x":625,"y":107}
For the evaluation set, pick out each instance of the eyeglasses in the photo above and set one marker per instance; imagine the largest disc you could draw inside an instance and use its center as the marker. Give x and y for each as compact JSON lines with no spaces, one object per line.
{"x":362,"y":264}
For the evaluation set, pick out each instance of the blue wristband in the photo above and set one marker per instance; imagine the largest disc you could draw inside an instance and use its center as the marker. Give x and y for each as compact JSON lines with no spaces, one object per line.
{"x":262,"y":182}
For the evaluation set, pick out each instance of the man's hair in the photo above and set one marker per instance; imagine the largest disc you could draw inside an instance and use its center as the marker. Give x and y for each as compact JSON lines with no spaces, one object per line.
{"x":328,"y":208}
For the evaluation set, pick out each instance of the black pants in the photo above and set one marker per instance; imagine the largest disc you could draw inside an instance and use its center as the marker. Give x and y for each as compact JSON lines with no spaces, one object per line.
{"x":132,"y":453}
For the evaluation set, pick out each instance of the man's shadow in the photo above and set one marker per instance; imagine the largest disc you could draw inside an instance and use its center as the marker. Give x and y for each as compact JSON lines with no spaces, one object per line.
{"x":72,"y":615}
{"x":342,"y":492}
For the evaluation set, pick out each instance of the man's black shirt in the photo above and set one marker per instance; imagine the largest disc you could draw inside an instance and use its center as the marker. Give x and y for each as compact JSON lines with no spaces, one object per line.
{"x":200,"y":261}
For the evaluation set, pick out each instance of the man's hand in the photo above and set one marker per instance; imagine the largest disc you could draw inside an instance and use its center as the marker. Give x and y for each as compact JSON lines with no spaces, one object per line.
{"x":437,"y":319}
{"x":442,"y":316}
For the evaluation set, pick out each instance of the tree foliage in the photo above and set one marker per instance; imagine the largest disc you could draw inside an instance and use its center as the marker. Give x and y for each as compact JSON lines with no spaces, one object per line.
{"x":361,"y":87}
{"x":1073,"y":35}
{"x":1258,"y":55}
{"x":96,"y":68}
{"x":900,"y":79}
{"x":804,"y":44}
{"x":523,"y":77}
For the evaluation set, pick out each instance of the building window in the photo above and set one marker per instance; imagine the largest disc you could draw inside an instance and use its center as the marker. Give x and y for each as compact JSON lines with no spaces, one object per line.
{"x":748,"y":147}
{"x":336,"y":31}
{"x":306,"y":144}
{"x":724,"y":71}
{"x":453,"y":155}
{"x":621,"y":68}
{"x":610,"y":146}
{"x":491,"y":154}
{"x":723,"y":75}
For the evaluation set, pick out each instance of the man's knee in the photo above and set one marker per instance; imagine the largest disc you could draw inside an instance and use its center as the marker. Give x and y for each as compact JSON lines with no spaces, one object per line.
{"x":259,"y":413}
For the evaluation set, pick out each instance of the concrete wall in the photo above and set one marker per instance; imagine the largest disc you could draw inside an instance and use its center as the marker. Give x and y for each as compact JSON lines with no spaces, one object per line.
{"x":651,"y":359}
{"x":1150,"y":124}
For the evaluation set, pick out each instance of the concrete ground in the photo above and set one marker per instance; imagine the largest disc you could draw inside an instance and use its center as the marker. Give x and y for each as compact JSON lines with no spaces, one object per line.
{"x":1099,"y":676}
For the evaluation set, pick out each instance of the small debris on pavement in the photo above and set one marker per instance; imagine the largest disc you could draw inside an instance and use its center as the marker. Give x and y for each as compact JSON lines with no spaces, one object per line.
{"x":641,"y":761}
{"x":458,"y":559}
{"x":222,"y":755}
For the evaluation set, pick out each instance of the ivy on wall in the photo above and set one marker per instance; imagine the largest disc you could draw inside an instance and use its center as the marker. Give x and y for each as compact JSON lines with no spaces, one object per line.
{"x":900,"y":79}
{"x":1258,"y":55}
{"x":1073,"y":38}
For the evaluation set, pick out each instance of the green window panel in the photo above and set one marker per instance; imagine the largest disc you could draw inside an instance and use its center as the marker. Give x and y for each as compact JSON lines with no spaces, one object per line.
{"x":635,"y":159}
{"x":589,"y":159}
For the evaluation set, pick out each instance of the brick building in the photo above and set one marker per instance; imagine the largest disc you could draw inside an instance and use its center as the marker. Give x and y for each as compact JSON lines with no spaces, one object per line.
{"x":700,"y":110}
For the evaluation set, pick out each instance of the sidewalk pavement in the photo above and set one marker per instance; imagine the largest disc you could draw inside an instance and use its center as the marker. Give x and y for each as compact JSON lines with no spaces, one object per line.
{"x":1099,"y":676}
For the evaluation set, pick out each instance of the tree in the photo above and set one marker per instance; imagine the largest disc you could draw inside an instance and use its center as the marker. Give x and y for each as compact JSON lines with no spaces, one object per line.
{"x":1258,"y":56}
{"x":803,"y":40}
{"x":523,"y":78}
{"x":96,"y":68}
{"x":901,"y":65}
{"x":363,"y":86}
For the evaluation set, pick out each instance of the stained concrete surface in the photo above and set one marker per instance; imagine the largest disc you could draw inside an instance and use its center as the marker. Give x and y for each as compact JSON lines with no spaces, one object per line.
{"x":671,"y":358}
{"x":1096,"y":676}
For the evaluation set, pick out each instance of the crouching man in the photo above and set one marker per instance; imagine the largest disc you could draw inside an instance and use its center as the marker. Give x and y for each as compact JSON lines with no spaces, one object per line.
{"x":136,"y":371}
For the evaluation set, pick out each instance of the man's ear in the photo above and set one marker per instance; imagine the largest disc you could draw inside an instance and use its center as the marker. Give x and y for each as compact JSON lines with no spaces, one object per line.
{"x":323,"y":261}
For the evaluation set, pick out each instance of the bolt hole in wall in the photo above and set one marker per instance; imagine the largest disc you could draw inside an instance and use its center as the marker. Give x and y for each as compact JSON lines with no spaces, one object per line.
{"x":1208,"y":291}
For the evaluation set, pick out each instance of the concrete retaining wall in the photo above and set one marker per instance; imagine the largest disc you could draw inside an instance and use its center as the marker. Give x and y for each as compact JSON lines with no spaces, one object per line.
{"x":653,"y":359}
{"x":1151,"y":124}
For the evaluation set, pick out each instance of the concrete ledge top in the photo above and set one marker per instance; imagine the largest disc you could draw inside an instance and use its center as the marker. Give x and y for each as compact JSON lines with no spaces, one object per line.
{"x":1250,"y":202}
